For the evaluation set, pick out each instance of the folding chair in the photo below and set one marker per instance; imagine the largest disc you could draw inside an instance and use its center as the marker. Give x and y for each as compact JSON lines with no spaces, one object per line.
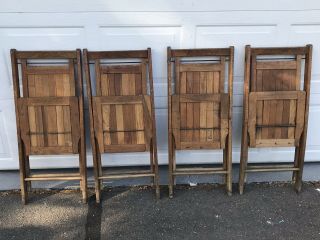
{"x":200,"y":110}
{"x":49,"y":114}
{"x":275,"y":108}
{"x":122,"y":117}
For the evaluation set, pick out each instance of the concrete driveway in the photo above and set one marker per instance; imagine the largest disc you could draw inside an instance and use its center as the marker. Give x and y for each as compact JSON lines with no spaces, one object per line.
{"x":265,"y":211}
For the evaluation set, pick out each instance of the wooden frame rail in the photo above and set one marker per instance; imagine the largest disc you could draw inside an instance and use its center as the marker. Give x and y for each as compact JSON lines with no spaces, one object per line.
{"x":49,"y":113}
{"x":199,"y":109}
{"x":122,"y":112}
{"x":275,"y":108}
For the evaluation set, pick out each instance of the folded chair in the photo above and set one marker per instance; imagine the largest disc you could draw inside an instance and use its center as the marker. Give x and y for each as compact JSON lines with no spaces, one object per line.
{"x":122,"y":117}
{"x":275,"y":107}
{"x":200,"y":109}
{"x":49,"y":114}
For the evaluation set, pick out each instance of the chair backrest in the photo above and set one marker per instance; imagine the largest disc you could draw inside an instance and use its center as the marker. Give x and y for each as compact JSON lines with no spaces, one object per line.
{"x":48,"y":109}
{"x":276,"y":99}
{"x":200,"y":105}
{"x":122,"y":108}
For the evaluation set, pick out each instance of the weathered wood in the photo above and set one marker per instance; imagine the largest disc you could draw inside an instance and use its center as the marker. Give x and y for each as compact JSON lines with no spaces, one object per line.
{"x":50,"y":111}
{"x":199,"y":111}
{"x":122,"y":117}
{"x":275,"y":108}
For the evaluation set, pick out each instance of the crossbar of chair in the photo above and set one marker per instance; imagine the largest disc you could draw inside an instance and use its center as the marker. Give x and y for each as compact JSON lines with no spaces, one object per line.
{"x":53,"y":176}
{"x":127,"y":174}
{"x":271,"y":168}
{"x":199,"y":171}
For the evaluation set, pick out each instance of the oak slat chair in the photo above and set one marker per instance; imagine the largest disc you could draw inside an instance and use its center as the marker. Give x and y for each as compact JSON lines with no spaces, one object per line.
{"x":275,"y":106}
{"x":200,"y":110}
{"x":49,"y":112}
{"x":122,"y":117}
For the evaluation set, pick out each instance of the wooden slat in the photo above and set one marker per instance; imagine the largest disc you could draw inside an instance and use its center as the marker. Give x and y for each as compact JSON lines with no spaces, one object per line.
{"x":201,"y":145}
{"x":276,"y":65}
{"x":98,"y":122}
{"x":224,"y":109}
{"x":133,"y":68}
{"x":125,"y":148}
{"x":92,"y":55}
{"x":45,"y":70}
{"x":300,"y":116}
{"x":275,"y":95}
{"x":46,"y":54}
{"x":51,"y":150}
{"x":274,"y":143}
{"x":176,"y":120}
{"x":279,"y":51}
{"x":200,"y":67}
{"x":120,"y":99}
{"x":139,"y":123}
{"x":106,"y":124}
{"x":200,"y":52}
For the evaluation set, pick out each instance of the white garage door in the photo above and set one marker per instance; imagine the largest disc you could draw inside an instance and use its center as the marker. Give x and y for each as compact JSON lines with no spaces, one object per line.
{"x":125,"y":24}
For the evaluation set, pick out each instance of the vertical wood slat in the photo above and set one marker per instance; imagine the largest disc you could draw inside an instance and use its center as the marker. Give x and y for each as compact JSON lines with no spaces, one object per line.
{"x":300,"y":106}
{"x":252,"y":120}
{"x":139,"y":123}
{"x":72,"y":80}
{"x":98,"y":123}
{"x":203,"y":108}
{"x":224,"y":118}
{"x":25,"y":84}
{"x":144,"y":77}
{"x":176,"y":120}
{"x":106,"y":124}
{"x":98,"y":77}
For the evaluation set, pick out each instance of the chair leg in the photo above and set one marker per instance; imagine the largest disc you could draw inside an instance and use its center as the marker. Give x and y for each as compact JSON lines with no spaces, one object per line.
{"x":27,"y":166}
{"x":243,"y":160}
{"x":225,"y":166}
{"x":156,"y":171}
{"x":97,"y":171}
{"x":174,"y":166}
{"x":83,"y":170}
{"x":152,"y":169}
{"x":296,"y":164}
{"x":300,"y":161}
{"x":229,"y":165}
{"x":22,"y":170}
{"x":170,"y":153}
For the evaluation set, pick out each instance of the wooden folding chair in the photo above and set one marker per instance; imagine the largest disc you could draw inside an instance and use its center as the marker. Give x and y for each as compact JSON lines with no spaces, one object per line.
{"x":49,"y":114}
{"x":275,"y":108}
{"x":122,"y":117}
{"x":200,"y":110}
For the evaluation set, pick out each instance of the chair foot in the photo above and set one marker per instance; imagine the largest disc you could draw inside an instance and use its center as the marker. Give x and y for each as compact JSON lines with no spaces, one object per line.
{"x":158,"y":192}
{"x":241,"y":190}
{"x":98,"y":196}
{"x":229,"y":193}
{"x":298,"y":186}
{"x":84,"y":197}
{"x":170,"y":191}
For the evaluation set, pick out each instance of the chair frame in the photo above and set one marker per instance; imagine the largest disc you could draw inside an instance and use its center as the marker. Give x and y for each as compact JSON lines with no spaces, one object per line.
{"x":173,"y":56}
{"x":77,"y":117}
{"x":302,"y":97}
{"x":93,"y":57}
